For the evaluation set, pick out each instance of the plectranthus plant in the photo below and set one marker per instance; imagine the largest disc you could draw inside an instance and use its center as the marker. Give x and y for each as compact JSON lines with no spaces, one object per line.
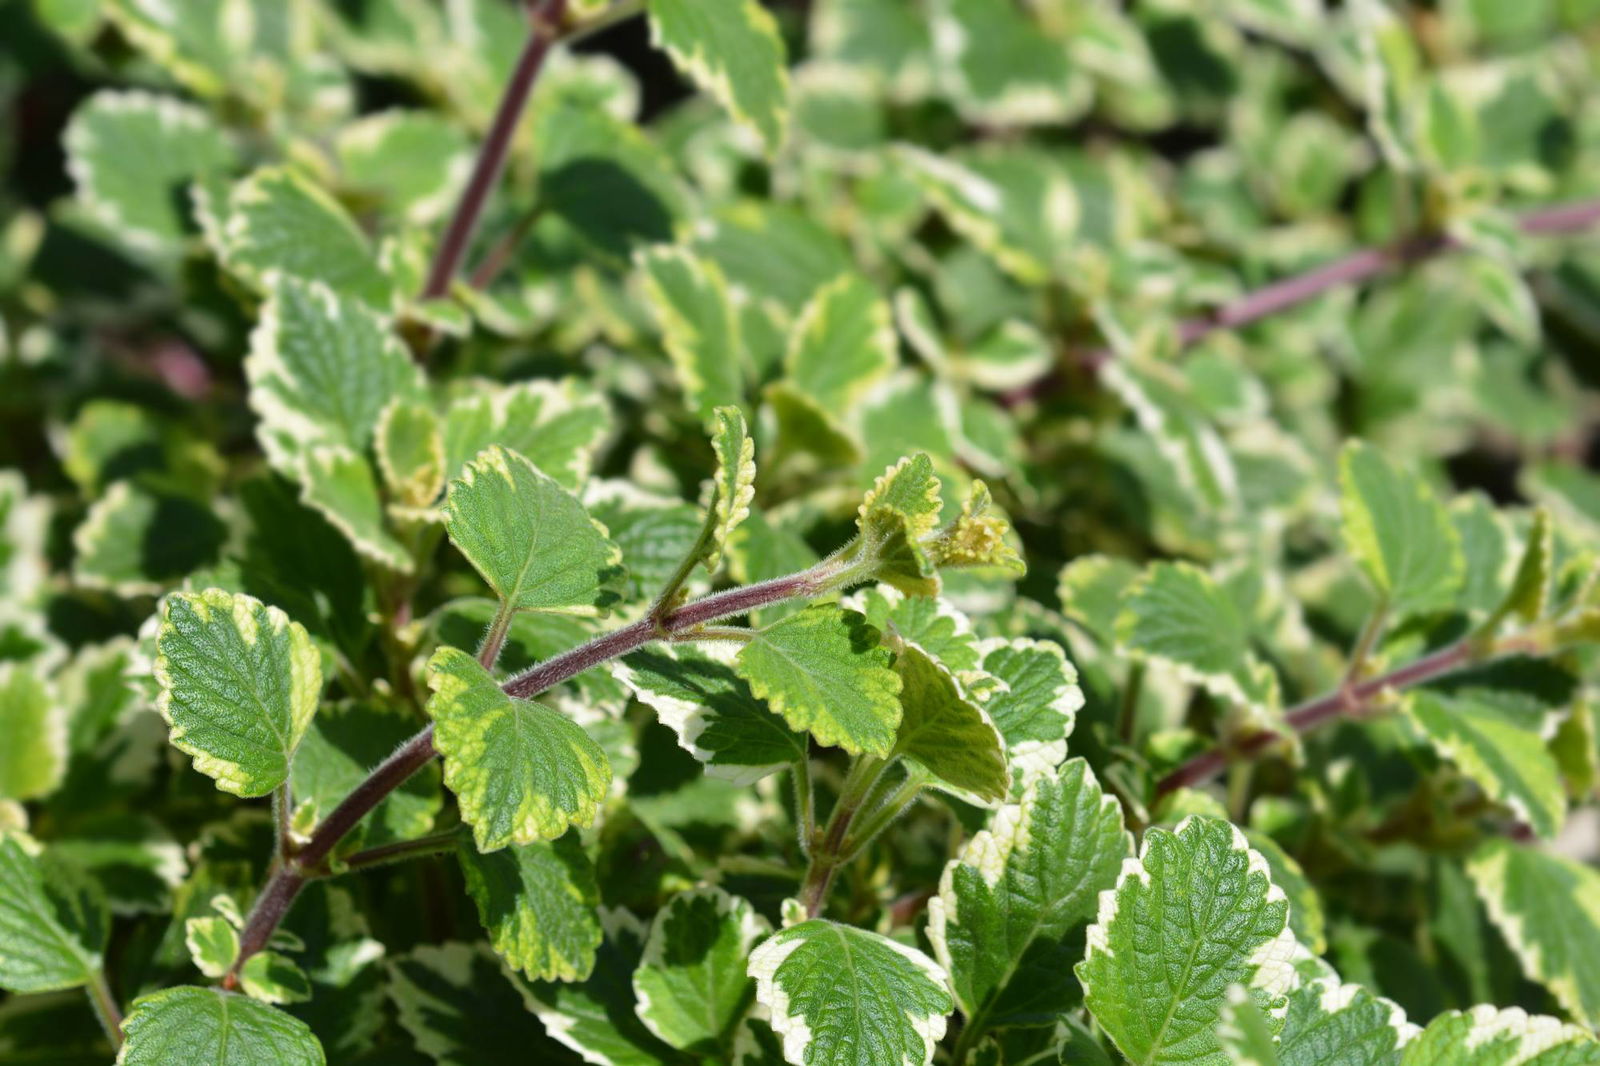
{"x":838,"y":533}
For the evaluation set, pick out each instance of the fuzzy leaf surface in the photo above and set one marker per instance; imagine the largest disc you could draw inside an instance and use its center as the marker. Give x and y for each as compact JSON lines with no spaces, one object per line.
{"x":841,"y":996}
{"x":1398,"y":531}
{"x":239,"y":683}
{"x":691,"y":981}
{"x":537,"y":903}
{"x":521,"y":771}
{"x":209,"y":1027}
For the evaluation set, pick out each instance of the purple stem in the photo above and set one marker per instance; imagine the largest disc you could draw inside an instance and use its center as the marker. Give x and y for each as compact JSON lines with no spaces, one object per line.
{"x":1279,"y":295}
{"x":290,"y":877}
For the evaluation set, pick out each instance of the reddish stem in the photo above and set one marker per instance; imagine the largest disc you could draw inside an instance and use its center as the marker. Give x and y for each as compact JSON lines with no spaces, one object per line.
{"x":546,"y":18}
{"x":1308,"y":716}
{"x":1280,"y":295}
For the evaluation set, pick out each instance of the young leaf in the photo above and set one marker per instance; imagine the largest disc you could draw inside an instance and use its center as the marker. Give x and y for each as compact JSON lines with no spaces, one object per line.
{"x":213,"y":944}
{"x":1489,"y":1036}
{"x":822,"y":670}
{"x":322,"y":367}
{"x":1398,"y":531}
{"x":840,"y":996}
{"x":33,"y":722}
{"x":1008,"y":918}
{"x":338,"y":482}
{"x":1036,"y":706}
{"x":1529,"y":593}
{"x":49,"y":937}
{"x":281,"y":223}
{"x":521,"y":771}
{"x":537,"y":903}
{"x":691,"y":981}
{"x":530,"y":538}
{"x":1196,"y":893}
{"x":731,"y":48}
{"x":1499,"y":752}
{"x":272,"y":977}
{"x":843,"y":343}
{"x":175,"y":144}
{"x":239,"y":683}
{"x":931,"y":623}
{"x":1548,"y":909}
{"x":214,"y":1028}
{"x":716,"y":716}
{"x":735,"y":481}
{"x":898,"y":512}
{"x":1175,"y":612}
{"x":943,"y":730}
{"x":976,"y":539}
{"x":409,"y":446}
{"x":699,"y":326}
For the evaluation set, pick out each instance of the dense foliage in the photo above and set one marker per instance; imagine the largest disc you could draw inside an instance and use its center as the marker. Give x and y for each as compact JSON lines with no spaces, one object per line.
{"x":856,"y":533}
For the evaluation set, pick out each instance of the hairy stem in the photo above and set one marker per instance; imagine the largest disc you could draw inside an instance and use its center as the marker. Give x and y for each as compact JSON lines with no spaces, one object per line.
{"x":829,"y":853}
{"x":1288,"y":292}
{"x":399,"y":851}
{"x":495,"y":638}
{"x":290,"y":877}
{"x":1347,"y":699}
{"x":546,"y":17}
{"x":105,"y":1007}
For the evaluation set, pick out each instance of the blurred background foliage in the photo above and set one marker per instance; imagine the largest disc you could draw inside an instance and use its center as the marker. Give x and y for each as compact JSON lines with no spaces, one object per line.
{"x":1012,"y":207}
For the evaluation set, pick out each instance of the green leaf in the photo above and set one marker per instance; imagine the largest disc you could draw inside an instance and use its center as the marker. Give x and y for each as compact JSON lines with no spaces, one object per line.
{"x":654,"y":533}
{"x":1002,"y":68}
{"x":281,"y":223}
{"x":1178,"y":614}
{"x":415,"y":162}
{"x":843,"y":343}
{"x":1198,"y":893}
{"x":138,"y":543}
{"x":239,"y":683}
{"x":1548,"y":909}
{"x":1398,"y":531}
{"x":33,"y":721}
{"x":1498,"y":752}
{"x":822,"y":670}
{"x":734,"y":486}
{"x":1326,"y":1017}
{"x":1489,"y":1036}
{"x":615,"y":188}
{"x":699,"y":325}
{"x":1036,"y":705}
{"x":344,"y":742}
{"x":322,"y":367}
{"x":900,"y":510}
{"x":531,"y":539}
{"x":691,"y":981}
{"x":943,"y":730}
{"x":460,"y":1009}
{"x":715,"y":715}
{"x":271,"y":977}
{"x":143,"y":206}
{"x":1505,"y":297}
{"x":1306,"y":916}
{"x":1181,"y":429}
{"x":537,"y":903}
{"x":213,"y":944}
{"x":1529,"y":594}
{"x":732,"y":49}
{"x":1092,"y":589}
{"x":931,"y":623}
{"x":1008,"y":921}
{"x":409,"y":446}
{"x":51,"y":936}
{"x":598,"y":1018}
{"x":521,"y":771}
{"x":839,"y":995}
{"x":339,"y":483}
{"x":209,"y":1027}
{"x":556,"y":425}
